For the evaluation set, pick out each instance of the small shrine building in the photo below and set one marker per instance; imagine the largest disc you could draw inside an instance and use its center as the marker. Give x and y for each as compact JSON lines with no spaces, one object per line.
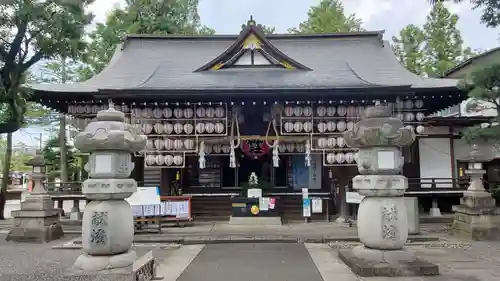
{"x":217,"y":108}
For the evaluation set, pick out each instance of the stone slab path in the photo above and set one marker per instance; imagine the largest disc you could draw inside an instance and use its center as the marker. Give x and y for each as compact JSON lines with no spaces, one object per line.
{"x":249,"y":262}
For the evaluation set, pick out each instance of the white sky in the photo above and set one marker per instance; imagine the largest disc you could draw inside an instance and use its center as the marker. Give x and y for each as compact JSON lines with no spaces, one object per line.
{"x":227,"y":16}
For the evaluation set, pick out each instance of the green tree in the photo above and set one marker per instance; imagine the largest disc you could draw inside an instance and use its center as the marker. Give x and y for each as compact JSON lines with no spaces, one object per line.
{"x":268,"y":30}
{"x":444,"y":46}
{"x":32,"y":30}
{"x":52,"y":152}
{"x":327,"y":17}
{"x":490,"y":10}
{"x":483,"y":86}
{"x":408,"y":48}
{"x":141,"y":17}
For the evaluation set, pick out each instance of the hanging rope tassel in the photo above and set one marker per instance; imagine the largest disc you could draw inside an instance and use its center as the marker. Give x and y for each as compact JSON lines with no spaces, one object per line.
{"x":201,"y":160}
{"x":308,"y":153}
{"x":233,"y":146}
{"x":275,"y":145}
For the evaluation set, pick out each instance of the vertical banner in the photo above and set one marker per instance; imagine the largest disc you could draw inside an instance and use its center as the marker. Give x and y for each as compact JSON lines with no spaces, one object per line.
{"x":315,"y":171}
{"x":306,"y":207}
{"x":300,"y":174}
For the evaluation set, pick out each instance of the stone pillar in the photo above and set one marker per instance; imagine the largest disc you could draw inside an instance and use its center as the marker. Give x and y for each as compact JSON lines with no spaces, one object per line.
{"x":37,"y":221}
{"x":382,"y":220}
{"x":477,"y":217}
{"x":76,"y":214}
{"x":107,"y":226}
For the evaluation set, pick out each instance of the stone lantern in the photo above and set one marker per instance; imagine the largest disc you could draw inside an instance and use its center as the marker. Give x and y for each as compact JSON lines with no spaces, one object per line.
{"x":37,"y":220}
{"x":382,"y":220}
{"x":477,"y":217}
{"x":107,"y":226}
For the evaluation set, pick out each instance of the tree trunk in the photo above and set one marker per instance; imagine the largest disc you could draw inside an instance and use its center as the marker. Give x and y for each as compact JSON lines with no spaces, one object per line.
{"x":5,"y":175}
{"x":63,"y":148}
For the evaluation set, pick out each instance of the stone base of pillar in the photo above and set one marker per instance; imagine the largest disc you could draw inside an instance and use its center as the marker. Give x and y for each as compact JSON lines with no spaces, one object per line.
{"x":435,"y":212}
{"x":89,"y":264}
{"x":367,"y":262}
{"x":477,"y":217}
{"x":75,"y":215}
{"x":37,"y":221}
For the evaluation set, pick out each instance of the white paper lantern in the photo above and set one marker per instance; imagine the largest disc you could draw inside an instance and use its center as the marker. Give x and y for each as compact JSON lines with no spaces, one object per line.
{"x":219,"y":112}
{"x":411,"y":128}
{"x":332,"y":142}
{"x":226,"y":148}
{"x":409,"y":117}
{"x":356,"y":157}
{"x":168,"y":128}
{"x":341,"y":110}
{"x":331,"y":126}
{"x":158,"y":144}
{"x":341,"y":126}
{"x":178,"y":144}
{"x":157,"y":113}
{"x":297,"y":111}
{"x":159,"y":160}
{"x":150,"y":144}
{"x":208,"y":149}
{"x":420,"y":129}
{"x":349,"y":157}
{"x":330,"y":158}
{"x":420,"y":116}
{"x":330,"y":111}
{"x":288,"y":127}
{"x":359,"y":110}
{"x":178,"y":113}
{"x":300,"y":147}
{"x":189,"y":144}
{"x":168,"y":144}
{"x":307,"y":111}
{"x":210,"y":128}
{"x":210,"y":112}
{"x":349,"y":125}
{"x":297,"y":127}
{"x":200,"y":128}
{"x":282,"y":147}
{"x":419,"y":103}
{"x":169,"y":159}
{"x":290,"y":147}
{"x":340,"y":142}
{"x":321,"y":111}
{"x":288,"y":111}
{"x":200,"y":112}
{"x":322,"y":142}
{"x":88,"y":109}
{"x":339,"y":157}
{"x":188,"y":128}
{"x":321,"y":127}
{"x":308,"y":126}
{"x":219,"y":128}
{"x":158,"y":128}
{"x":408,"y":104}
{"x":217,"y":148}
{"x":178,"y":160}
{"x":178,"y":128}
{"x":188,"y":112}
{"x":150,"y":159}
{"x":147,"y":128}
{"x":400,"y":116}
{"x":351,"y":111}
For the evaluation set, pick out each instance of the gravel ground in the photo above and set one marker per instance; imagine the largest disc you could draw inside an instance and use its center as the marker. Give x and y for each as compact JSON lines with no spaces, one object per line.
{"x":39,"y":262}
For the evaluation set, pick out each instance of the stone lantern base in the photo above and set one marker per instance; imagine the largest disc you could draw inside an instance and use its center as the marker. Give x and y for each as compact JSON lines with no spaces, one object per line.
{"x":37,"y":221}
{"x":367,"y":262}
{"x":477,"y":217}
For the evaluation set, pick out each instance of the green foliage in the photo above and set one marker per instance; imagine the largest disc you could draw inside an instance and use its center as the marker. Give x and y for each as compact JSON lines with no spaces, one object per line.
{"x":268,"y":30}
{"x":327,"y":17}
{"x":490,"y":10}
{"x":408,"y":48}
{"x":52,"y":152}
{"x":483,"y":86}
{"x":158,"y":17}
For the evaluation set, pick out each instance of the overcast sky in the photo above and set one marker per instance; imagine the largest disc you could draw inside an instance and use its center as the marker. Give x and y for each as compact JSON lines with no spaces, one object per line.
{"x":227,"y":16}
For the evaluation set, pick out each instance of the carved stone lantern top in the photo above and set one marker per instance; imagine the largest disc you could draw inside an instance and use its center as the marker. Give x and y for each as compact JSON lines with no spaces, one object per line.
{"x":479,"y":153}
{"x":37,"y":160}
{"x":378,"y":129}
{"x":109,"y":132}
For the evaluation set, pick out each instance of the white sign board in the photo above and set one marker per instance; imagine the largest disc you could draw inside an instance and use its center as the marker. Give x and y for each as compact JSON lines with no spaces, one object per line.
{"x":306,"y":207}
{"x":315,"y":171}
{"x":264,"y":203}
{"x":305,"y":193}
{"x":353,"y":197}
{"x":317,"y":205}
{"x":254,"y":193}
{"x":145,"y":196}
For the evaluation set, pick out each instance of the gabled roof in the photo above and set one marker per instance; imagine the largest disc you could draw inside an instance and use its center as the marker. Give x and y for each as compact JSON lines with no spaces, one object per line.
{"x":359,"y":60}
{"x":470,"y":61}
{"x":250,"y":40}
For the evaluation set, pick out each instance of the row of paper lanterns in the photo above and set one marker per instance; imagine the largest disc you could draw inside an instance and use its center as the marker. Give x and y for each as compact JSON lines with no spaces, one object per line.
{"x":164,"y":160}
{"x":167,"y":112}
{"x":324,"y":143}
{"x":339,"y":158}
{"x":188,"y":128}
{"x":322,"y":127}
